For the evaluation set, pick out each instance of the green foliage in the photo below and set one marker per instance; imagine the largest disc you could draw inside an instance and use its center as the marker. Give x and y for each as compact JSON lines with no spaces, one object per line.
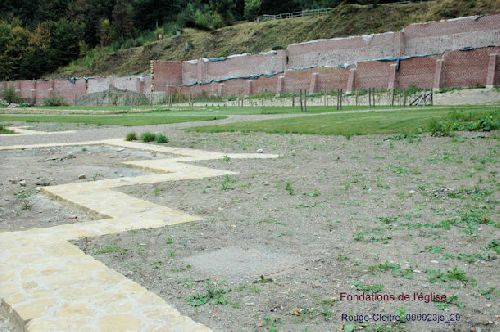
{"x":132,"y":136}
{"x":362,"y":287}
{"x":150,"y":137}
{"x":10,"y":95}
{"x":161,"y":138}
{"x":4,"y":130}
{"x":54,"y":100}
{"x":289,"y":188}
{"x":213,"y":294}
{"x":147,"y":137}
{"x":228,"y":183}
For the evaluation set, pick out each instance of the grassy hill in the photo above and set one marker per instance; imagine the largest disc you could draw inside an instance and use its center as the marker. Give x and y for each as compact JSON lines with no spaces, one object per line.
{"x":345,"y":20}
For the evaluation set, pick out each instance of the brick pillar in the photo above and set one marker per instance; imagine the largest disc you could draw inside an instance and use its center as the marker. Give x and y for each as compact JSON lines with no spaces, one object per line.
{"x":491,"y":77}
{"x":313,"y":85}
{"x":391,"y":85}
{"x":220,"y":89}
{"x":438,"y":75}
{"x":399,"y":43}
{"x":280,"y":88}
{"x":33,"y":92}
{"x":249,"y":87}
{"x":351,"y":81}
{"x":52,"y":86}
{"x":202,"y":70}
{"x":18,"y":87}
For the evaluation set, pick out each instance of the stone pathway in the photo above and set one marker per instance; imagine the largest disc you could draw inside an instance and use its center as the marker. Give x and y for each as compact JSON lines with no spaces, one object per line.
{"x":22,"y":130}
{"x":49,"y":284}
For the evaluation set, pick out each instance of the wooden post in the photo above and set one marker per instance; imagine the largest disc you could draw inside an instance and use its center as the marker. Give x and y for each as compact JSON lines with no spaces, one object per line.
{"x":293,"y":100}
{"x":305,"y":100}
{"x":300,"y":98}
{"x":340,"y":99}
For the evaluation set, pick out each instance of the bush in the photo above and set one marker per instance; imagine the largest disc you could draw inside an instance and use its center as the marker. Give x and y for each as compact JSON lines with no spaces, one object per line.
{"x":132,"y":136}
{"x":148,"y":137}
{"x":54,"y":100}
{"x":10,"y":95}
{"x":440,"y":128}
{"x":160,"y":138}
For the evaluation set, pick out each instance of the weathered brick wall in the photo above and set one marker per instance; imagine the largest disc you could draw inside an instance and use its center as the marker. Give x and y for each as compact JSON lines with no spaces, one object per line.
{"x":333,"y":52}
{"x":296,"y":80}
{"x":166,"y":73}
{"x":466,"y":68}
{"x":265,"y":85}
{"x":417,"y":72}
{"x":330,"y":79}
{"x":43,"y":89}
{"x":68,"y":90}
{"x":372,"y":74}
{"x":455,"y":34}
{"x":99,"y":84}
{"x":241,"y":65}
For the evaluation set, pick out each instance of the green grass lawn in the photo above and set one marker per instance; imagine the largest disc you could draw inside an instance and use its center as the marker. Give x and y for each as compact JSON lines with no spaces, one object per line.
{"x":122,"y":119}
{"x":348,"y":124}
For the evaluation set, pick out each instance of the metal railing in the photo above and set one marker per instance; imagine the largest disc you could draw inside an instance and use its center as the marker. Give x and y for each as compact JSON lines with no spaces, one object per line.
{"x":302,"y":13}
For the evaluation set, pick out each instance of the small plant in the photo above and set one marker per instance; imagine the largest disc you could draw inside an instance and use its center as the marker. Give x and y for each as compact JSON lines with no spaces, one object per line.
{"x":375,"y":288}
{"x":10,"y":95}
{"x":161,"y":138}
{"x":314,"y":193}
{"x":4,"y":130}
{"x":54,"y":100}
{"x":132,"y":136}
{"x":213,"y":294}
{"x":148,"y":136}
{"x":96,"y":176}
{"x":156,"y":191}
{"x":226,"y":158}
{"x":23,"y":197}
{"x":289,"y":188}
{"x":228,"y":183}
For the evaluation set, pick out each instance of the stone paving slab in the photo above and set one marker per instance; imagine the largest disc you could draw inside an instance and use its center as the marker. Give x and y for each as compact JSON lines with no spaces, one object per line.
{"x":48,"y":284}
{"x":22,"y":130}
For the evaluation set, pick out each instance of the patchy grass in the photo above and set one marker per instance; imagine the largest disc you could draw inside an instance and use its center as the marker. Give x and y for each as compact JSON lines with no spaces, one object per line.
{"x":355,"y":123}
{"x":122,"y":119}
{"x":4,"y":130}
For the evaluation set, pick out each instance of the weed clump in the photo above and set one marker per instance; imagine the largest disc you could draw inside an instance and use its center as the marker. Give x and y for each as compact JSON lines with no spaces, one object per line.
{"x":147,"y":137}
{"x":161,"y":138}
{"x":132,"y":136}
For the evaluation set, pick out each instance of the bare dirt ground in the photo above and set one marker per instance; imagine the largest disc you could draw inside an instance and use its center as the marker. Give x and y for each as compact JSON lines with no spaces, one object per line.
{"x":23,"y":206}
{"x":281,"y":242}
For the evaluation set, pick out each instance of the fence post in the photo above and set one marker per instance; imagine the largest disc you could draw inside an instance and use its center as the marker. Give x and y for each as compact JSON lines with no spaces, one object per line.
{"x":300,"y":97}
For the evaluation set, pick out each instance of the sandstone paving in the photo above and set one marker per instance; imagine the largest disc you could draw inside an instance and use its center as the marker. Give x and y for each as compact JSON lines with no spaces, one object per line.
{"x":48,"y":284}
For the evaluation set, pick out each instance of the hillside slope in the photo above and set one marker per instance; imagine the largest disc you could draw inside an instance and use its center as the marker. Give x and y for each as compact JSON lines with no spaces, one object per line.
{"x":344,"y":20}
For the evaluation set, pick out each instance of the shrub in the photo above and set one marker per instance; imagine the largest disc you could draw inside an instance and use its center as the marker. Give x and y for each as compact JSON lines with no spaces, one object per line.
{"x":10,"y":95}
{"x":440,"y":128}
{"x":54,"y":100}
{"x":148,"y":137}
{"x":160,"y":138}
{"x":132,"y":136}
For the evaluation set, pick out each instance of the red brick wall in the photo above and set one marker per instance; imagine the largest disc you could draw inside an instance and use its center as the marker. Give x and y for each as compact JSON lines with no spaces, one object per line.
{"x":372,"y":74}
{"x":417,"y":72}
{"x":296,"y":80}
{"x":438,"y":37}
{"x":69,"y":91}
{"x":265,"y":85}
{"x":330,"y":79}
{"x":466,"y":68}
{"x":167,"y":73}
{"x":333,"y":52}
